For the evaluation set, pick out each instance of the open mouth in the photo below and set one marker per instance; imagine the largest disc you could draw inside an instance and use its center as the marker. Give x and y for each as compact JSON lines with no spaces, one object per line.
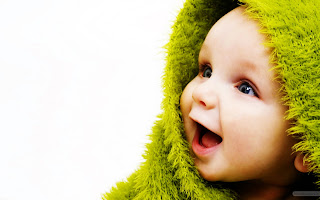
{"x":205,"y":141}
{"x":208,"y":138}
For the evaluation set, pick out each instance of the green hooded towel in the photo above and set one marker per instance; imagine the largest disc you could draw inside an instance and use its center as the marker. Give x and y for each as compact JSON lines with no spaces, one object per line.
{"x":293,"y":31}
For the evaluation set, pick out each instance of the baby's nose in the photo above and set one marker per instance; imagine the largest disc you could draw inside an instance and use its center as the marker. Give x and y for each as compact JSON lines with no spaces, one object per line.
{"x":205,"y":96}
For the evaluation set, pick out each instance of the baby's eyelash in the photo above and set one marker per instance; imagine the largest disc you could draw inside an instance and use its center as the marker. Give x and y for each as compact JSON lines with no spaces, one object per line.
{"x":205,"y":68}
{"x":244,"y":85}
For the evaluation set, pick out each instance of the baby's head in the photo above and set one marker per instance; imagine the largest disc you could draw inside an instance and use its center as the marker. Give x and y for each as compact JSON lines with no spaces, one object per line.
{"x":232,"y":110}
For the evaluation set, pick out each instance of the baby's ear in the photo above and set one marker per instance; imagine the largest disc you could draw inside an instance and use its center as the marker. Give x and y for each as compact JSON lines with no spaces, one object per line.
{"x":301,"y":166}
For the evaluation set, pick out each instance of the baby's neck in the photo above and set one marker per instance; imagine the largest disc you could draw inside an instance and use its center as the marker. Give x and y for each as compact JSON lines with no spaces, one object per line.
{"x":256,"y":190}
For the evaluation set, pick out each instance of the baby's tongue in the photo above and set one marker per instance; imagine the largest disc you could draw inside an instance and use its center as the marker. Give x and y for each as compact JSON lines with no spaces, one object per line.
{"x":210,"y":139}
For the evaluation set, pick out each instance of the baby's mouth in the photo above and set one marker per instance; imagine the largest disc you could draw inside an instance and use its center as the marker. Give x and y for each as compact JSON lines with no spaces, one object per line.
{"x":208,"y":138}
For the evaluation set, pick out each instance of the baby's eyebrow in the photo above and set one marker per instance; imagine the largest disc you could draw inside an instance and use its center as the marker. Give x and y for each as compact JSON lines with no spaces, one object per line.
{"x":249,"y":65}
{"x":204,"y":52}
{"x":253,"y":70}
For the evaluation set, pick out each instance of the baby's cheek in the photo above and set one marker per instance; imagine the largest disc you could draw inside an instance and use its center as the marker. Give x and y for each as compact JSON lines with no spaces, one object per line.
{"x":243,"y":147}
{"x":186,"y":101}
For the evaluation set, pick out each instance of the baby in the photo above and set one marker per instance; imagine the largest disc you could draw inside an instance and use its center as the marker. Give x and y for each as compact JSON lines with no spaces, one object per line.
{"x":250,"y":117}
{"x":234,"y":117}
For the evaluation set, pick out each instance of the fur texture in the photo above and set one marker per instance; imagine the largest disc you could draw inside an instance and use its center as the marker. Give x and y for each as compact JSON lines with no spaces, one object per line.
{"x":293,"y":32}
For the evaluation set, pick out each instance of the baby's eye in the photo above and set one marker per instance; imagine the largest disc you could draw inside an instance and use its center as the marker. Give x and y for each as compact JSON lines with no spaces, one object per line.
{"x":246,"y":88}
{"x":206,"y":72}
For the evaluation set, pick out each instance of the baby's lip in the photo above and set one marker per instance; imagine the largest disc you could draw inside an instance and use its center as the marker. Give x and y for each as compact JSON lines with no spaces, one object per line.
{"x":194,"y":115}
{"x":202,"y":130}
{"x":205,"y":141}
{"x":201,"y":127}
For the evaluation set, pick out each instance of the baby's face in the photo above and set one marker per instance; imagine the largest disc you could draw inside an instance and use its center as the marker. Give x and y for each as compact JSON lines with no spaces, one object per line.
{"x":232,"y":113}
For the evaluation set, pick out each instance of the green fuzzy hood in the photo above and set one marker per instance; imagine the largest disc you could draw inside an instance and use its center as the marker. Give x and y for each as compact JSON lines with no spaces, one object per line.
{"x":293,"y":31}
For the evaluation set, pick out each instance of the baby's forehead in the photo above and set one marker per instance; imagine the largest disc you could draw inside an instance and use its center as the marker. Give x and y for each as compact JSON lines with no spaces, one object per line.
{"x":235,"y":34}
{"x":236,"y":20}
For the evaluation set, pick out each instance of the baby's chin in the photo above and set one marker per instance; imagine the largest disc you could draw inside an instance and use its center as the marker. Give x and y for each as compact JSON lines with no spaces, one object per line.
{"x":206,"y":172}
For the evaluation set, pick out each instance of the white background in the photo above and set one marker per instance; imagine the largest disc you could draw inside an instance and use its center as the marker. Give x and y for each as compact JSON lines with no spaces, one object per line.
{"x":80,"y":88}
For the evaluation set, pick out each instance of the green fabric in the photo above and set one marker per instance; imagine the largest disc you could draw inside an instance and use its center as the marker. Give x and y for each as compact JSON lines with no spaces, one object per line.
{"x":293,"y":30}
